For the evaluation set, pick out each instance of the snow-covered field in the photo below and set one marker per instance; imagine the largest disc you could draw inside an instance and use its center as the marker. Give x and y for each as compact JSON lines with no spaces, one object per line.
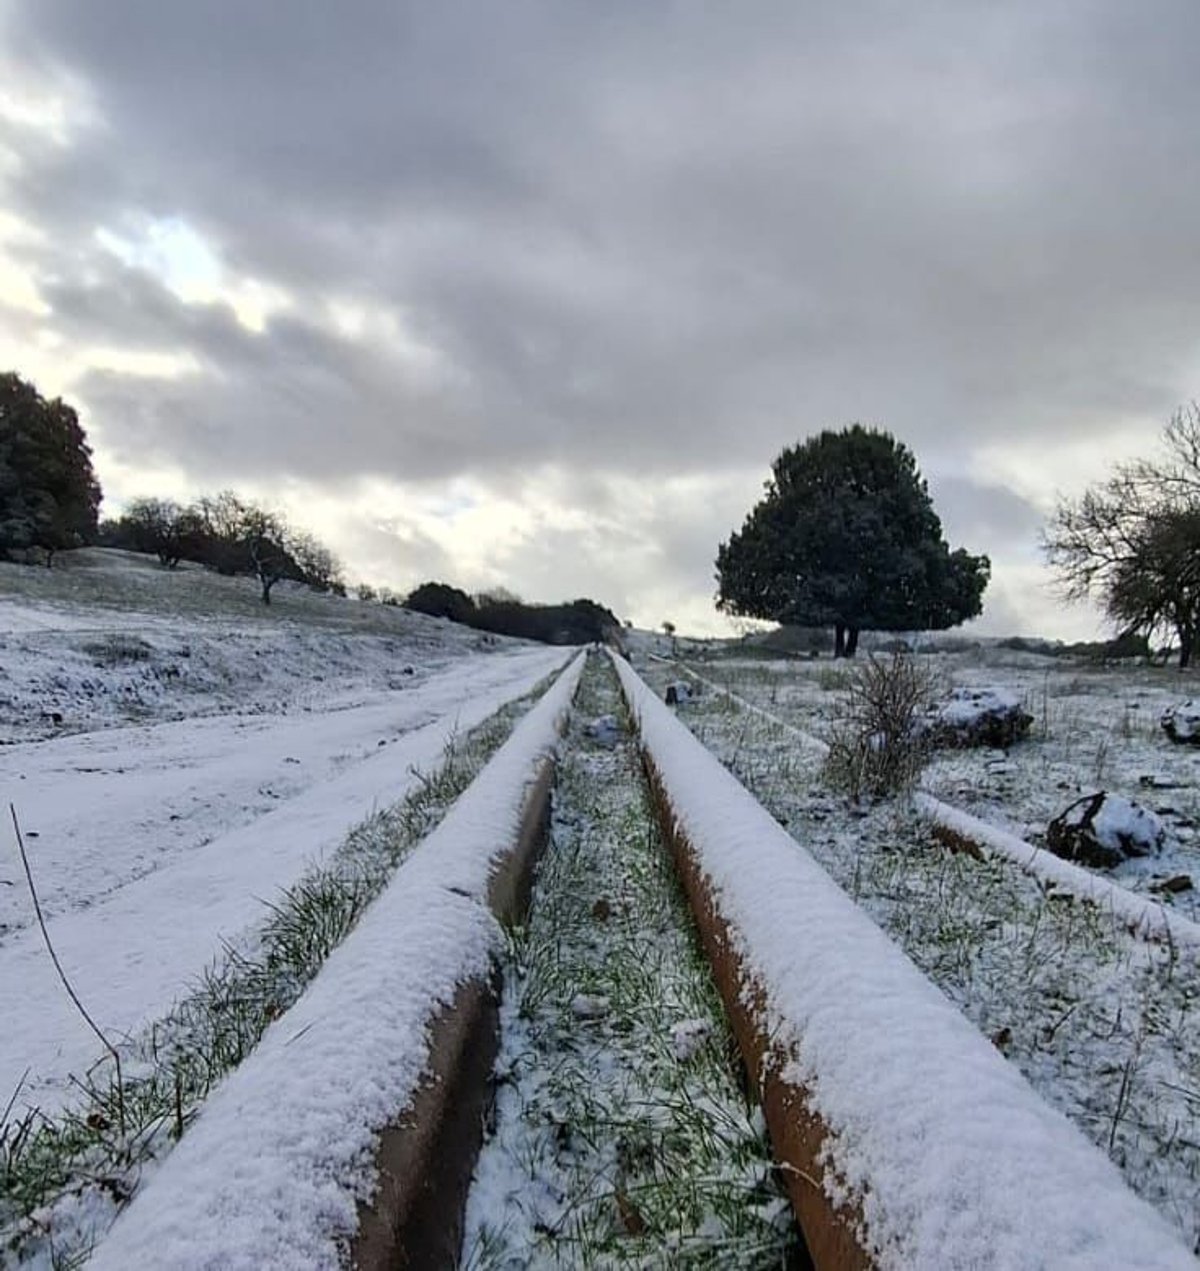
{"x":1105,"y":1025}
{"x":155,"y":844}
{"x":174,"y":773}
{"x":234,"y":819}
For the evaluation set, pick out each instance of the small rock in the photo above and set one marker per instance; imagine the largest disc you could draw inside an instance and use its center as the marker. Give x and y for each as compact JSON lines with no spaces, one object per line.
{"x":604,"y":729}
{"x":602,"y":910}
{"x":1175,"y":884}
{"x":1001,"y":1038}
{"x":589,"y":1006}
{"x":678,"y":693}
{"x":1103,"y":830}
{"x":688,"y":1036}
{"x":1181,"y":723}
{"x":976,"y":717}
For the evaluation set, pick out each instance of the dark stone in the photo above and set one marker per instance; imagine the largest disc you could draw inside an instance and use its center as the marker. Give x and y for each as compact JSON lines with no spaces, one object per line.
{"x":1102,"y":830}
{"x":971,"y":717}
{"x":1181,"y":723}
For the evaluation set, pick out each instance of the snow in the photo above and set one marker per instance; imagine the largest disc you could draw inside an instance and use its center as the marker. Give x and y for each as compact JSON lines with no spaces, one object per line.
{"x":1140,"y":913}
{"x":172,"y":838}
{"x":271,"y":1172}
{"x":1182,"y":721}
{"x":1120,"y":825}
{"x":955,"y":1161}
{"x":963,"y":706}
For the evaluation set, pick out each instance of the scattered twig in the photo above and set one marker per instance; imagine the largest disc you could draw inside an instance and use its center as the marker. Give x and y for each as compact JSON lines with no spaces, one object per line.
{"x":62,"y":975}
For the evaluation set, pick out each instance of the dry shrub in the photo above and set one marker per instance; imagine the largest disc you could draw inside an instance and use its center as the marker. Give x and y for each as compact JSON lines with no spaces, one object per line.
{"x":875,"y":748}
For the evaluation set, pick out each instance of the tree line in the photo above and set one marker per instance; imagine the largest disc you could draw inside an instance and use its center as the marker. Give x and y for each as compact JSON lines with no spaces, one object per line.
{"x":230,"y":535}
{"x":846,"y":537}
{"x":576,"y":622}
{"x":50,"y":502}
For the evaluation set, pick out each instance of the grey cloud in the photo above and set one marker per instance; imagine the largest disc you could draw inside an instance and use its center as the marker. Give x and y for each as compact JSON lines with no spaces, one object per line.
{"x":643,"y":239}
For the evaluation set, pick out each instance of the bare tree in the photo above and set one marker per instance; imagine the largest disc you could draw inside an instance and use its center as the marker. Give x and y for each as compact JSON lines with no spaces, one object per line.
{"x":161,"y":526}
{"x":1133,"y":541}
{"x":317,"y":565}
{"x":243,"y":538}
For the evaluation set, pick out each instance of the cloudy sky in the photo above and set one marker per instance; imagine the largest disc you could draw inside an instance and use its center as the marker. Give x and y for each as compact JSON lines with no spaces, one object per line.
{"x":532,"y":293}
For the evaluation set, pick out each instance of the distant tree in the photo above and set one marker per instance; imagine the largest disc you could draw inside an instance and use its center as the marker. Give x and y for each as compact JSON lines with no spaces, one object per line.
{"x":669,"y":628}
{"x":49,"y":496}
{"x":222,"y":548}
{"x":317,"y":565}
{"x":164,"y":528}
{"x":846,"y":537}
{"x":267,"y":540}
{"x":241,"y":537}
{"x":366,"y":593}
{"x":440,"y":600}
{"x":1133,"y":540}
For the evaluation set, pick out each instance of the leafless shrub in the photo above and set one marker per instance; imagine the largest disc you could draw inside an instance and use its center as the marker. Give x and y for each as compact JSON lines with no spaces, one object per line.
{"x":874,"y":746}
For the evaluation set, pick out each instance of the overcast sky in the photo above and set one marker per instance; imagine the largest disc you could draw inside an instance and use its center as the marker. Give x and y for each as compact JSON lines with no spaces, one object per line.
{"x":532,"y":294}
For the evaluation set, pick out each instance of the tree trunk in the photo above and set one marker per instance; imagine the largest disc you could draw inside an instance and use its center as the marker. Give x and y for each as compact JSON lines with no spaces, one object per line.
{"x":839,"y":640}
{"x":267,"y":584}
{"x":1186,"y":637}
{"x":852,"y":642}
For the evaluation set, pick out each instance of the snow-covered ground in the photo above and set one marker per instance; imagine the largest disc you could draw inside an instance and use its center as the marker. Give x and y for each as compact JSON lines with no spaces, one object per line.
{"x":272,"y":1172}
{"x":948,"y":1156}
{"x":143,"y":895}
{"x":259,"y":741}
{"x":113,"y":639}
{"x":1095,"y":728}
{"x":1104,"y":1025}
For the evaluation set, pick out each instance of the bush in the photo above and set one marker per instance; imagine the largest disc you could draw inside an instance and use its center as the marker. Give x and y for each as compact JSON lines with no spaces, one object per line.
{"x":875,"y":748}
{"x":118,"y":650}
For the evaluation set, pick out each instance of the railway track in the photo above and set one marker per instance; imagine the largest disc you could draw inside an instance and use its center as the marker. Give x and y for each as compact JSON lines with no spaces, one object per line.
{"x":676,"y":1042}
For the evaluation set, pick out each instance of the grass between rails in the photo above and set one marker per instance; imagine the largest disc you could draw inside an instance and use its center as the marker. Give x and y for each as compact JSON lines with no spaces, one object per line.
{"x":1104,"y":1026}
{"x":622,"y":1134}
{"x":64,"y":1177}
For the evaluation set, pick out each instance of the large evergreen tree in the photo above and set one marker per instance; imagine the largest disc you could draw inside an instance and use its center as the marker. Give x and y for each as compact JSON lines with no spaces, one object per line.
{"x":49,"y":496}
{"x":846,"y":537}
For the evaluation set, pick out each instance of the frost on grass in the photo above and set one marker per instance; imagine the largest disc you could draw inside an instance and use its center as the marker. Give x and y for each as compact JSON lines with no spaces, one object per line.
{"x":63,"y":1176}
{"x":282,"y":1153}
{"x":1105,"y":1026}
{"x":621,"y":1136}
{"x":953,"y":1159}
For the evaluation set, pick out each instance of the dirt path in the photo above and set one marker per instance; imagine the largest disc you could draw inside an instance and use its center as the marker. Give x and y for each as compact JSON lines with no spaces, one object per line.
{"x":622,"y":1135}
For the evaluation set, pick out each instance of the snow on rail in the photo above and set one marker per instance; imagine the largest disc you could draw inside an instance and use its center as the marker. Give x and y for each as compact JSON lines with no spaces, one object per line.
{"x":953,"y":1159}
{"x":272,"y":1171}
{"x":1145,"y":917}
